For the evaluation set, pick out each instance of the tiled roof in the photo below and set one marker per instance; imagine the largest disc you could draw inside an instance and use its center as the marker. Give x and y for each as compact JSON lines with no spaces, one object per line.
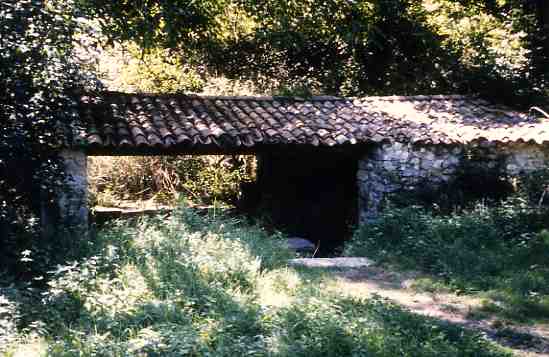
{"x":118,"y":120}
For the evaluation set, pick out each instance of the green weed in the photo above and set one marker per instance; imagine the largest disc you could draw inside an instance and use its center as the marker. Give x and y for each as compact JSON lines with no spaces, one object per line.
{"x":487,"y":249}
{"x":199,"y":286}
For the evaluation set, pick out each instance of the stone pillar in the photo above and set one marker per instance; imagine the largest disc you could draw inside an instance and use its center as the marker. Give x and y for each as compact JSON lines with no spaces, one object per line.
{"x":68,"y":215}
{"x":399,"y":167}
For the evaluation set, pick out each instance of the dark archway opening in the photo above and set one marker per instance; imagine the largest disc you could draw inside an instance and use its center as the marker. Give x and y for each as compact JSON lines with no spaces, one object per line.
{"x":311,"y":195}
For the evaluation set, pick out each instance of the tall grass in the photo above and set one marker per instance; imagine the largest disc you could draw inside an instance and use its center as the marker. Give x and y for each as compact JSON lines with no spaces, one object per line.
{"x":203,"y":286}
{"x":202,"y":179}
{"x":502,"y":249}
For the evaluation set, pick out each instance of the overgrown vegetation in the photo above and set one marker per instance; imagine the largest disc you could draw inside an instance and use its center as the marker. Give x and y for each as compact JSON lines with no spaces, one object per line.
{"x":39,"y":71}
{"x":498,"y":48}
{"x":163,"y":179}
{"x":198,"y":285}
{"x":500,"y":250}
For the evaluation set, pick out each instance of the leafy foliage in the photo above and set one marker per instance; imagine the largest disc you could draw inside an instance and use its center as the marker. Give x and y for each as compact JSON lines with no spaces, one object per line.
{"x":169,"y":23}
{"x":201,"y":179}
{"x":199,"y":285}
{"x":128,"y":69}
{"x":496,"y":48}
{"x":37,"y":113}
{"x":500,"y":249}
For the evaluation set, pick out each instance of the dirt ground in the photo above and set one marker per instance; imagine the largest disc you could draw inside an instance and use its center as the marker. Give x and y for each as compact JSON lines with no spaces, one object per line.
{"x":360,"y":277}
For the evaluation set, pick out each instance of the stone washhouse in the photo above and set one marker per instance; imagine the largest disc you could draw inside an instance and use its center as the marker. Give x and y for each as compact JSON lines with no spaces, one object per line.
{"x":324,"y":163}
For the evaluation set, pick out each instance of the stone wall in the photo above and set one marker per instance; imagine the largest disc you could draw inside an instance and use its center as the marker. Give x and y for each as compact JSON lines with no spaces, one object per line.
{"x":313,"y":194}
{"x":394,"y":168}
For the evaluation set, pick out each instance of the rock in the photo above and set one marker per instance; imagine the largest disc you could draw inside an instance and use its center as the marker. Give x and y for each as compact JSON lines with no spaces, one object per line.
{"x":363,"y":175}
{"x":389,"y":165}
{"x":300,"y":244}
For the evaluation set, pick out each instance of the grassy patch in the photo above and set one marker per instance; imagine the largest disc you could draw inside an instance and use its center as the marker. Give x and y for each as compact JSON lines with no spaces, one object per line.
{"x":501,"y":252}
{"x":200,"y":286}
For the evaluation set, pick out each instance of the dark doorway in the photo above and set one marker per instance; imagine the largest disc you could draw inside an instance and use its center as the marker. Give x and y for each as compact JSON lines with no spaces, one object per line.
{"x":310,"y":195}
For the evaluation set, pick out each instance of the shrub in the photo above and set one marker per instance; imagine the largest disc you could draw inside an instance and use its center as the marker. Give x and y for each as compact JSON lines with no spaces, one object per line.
{"x":534,"y":187}
{"x":38,"y":72}
{"x":501,"y":250}
{"x":201,"y":179}
{"x":471,"y":247}
{"x":155,"y":71}
{"x":202,"y":285}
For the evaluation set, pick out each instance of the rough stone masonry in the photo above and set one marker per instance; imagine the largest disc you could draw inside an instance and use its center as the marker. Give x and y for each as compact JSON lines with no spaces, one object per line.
{"x":402,"y":144}
{"x":403,"y":167}
{"x":72,"y":199}
{"x":386,"y":170}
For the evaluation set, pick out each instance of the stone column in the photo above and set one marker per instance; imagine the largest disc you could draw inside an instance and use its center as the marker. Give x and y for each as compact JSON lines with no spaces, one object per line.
{"x":68,"y":215}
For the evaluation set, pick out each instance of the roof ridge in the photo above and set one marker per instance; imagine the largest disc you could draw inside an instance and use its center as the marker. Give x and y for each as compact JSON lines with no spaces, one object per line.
{"x":418,"y":97}
{"x":223,"y":97}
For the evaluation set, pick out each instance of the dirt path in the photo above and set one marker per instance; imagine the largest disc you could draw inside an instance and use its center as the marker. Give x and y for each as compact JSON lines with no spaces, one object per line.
{"x":360,"y":277}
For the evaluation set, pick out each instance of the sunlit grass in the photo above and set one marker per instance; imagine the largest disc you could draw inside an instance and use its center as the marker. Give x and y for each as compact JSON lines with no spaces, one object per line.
{"x":198,"y":286}
{"x":498,"y":253}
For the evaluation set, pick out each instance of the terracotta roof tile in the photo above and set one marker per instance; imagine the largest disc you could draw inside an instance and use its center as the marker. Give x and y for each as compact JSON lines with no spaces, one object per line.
{"x":168,"y":121}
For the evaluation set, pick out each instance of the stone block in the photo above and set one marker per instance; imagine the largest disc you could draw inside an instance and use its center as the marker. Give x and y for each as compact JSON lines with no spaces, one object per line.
{"x":365,"y":163}
{"x":363,"y":175}
{"x":390,"y":165}
{"x":300,"y":244}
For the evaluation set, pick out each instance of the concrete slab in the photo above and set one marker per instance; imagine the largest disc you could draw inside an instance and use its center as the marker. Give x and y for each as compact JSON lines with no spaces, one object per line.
{"x":342,"y":262}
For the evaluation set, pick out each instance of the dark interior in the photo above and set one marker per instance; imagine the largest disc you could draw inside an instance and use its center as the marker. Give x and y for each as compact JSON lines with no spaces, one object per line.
{"x":310,"y":195}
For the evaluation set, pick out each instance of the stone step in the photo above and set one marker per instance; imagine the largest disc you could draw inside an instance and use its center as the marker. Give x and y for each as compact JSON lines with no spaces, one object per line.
{"x":342,"y":262}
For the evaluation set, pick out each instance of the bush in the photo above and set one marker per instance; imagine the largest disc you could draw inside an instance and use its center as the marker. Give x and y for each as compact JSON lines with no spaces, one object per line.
{"x":201,"y":179}
{"x":502,"y":251}
{"x":471,"y":247}
{"x":534,"y":187}
{"x":38,"y":72}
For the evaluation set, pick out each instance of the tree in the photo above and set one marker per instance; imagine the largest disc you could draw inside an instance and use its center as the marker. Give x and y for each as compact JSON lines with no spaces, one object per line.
{"x":349,"y":47}
{"x":37,"y":113}
{"x":532,"y":18}
{"x":151,"y":23}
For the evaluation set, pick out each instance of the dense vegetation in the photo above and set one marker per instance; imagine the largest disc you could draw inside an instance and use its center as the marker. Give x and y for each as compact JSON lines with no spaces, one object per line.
{"x":198,"y":285}
{"x":500,"y":250}
{"x":202,"y":286}
{"x":38,"y":73}
{"x":207,"y":179}
{"x":497,"y":48}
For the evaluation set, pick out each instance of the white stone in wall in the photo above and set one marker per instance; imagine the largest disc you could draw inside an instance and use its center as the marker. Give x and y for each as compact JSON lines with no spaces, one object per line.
{"x":525,"y":158}
{"x":512,"y":169}
{"x":398,"y":166}
{"x":416,"y":162}
{"x":390,"y":165}
{"x":363,"y":175}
